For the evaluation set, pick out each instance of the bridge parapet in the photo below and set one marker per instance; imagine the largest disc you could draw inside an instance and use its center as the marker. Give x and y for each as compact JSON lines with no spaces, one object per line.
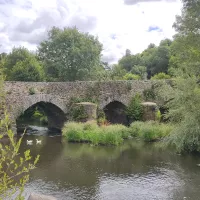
{"x":22,"y":95}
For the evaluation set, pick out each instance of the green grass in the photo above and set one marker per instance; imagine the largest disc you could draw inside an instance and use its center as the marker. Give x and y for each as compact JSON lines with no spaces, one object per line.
{"x":150,"y":131}
{"x":92,"y":133}
{"x":114,"y":134}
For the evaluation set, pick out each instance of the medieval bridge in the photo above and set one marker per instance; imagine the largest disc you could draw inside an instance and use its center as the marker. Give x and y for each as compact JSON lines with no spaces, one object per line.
{"x":56,"y":96}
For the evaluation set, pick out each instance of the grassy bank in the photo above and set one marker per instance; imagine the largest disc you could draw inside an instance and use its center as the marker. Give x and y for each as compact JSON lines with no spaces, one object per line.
{"x":114,"y":134}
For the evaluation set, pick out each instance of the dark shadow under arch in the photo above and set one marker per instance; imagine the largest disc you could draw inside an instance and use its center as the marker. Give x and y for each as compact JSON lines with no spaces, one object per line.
{"x":115,"y":113}
{"x":56,"y":117}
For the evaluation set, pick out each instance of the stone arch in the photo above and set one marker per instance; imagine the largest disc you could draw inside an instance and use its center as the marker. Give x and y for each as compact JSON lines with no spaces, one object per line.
{"x":53,"y":107}
{"x":104,"y":101}
{"x":115,"y":112}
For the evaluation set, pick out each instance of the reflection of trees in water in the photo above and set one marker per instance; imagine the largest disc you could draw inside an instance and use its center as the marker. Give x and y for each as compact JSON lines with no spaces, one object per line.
{"x":81,"y":165}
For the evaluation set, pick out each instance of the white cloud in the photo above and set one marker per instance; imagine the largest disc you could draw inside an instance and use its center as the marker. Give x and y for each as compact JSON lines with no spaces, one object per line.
{"x":119,"y":24}
{"x":133,"y":2}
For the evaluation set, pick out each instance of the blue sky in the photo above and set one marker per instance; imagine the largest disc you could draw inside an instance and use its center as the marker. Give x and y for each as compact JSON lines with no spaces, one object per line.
{"x":119,"y":24}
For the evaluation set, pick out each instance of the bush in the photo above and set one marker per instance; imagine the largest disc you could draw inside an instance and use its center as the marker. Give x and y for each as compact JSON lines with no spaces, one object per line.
{"x":158,"y":115}
{"x":134,"y":110}
{"x":149,"y":94}
{"x":130,"y":76}
{"x":160,"y":75}
{"x":92,"y":133}
{"x":77,"y":113}
{"x":150,"y":131}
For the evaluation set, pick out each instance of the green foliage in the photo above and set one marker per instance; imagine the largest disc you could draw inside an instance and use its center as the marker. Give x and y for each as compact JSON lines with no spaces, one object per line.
{"x":77,"y":113}
{"x":160,"y":75}
{"x":14,"y":167}
{"x":117,"y":72}
{"x":36,"y":114}
{"x":70,"y":55}
{"x":149,"y":94}
{"x":158,"y":115}
{"x":127,"y":62}
{"x":183,"y":110}
{"x":101,"y":117}
{"x":183,"y":95}
{"x":130,"y":76}
{"x":32,"y":91}
{"x":27,"y":70}
{"x":92,"y":133}
{"x":22,"y":65}
{"x":150,"y":131}
{"x":151,"y":61}
{"x":115,"y":134}
{"x":139,"y":70}
{"x":185,"y":51}
{"x":134,"y":110}
{"x":41,"y":116}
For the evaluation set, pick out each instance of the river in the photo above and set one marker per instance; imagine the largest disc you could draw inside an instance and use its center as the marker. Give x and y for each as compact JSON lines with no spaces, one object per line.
{"x":132,"y":171}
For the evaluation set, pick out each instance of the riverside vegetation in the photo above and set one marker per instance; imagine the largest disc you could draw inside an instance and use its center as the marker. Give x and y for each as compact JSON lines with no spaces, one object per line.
{"x":14,"y":167}
{"x":115,"y":134}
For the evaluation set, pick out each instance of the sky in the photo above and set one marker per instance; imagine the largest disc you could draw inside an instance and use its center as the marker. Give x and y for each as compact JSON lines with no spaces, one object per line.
{"x":119,"y":24}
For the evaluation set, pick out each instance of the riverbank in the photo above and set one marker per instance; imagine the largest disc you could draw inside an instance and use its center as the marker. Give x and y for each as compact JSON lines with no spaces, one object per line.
{"x":90,"y":132}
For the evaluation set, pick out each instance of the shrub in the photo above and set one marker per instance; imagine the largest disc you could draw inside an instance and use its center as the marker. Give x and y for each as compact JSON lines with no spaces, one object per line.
{"x":31,"y":91}
{"x":77,"y":113}
{"x":134,"y":110}
{"x":160,"y":75}
{"x":149,"y":94}
{"x":158,"y":115}
{"x":135,"y":128}
{"x":101,"y":118}
{"x":150,"y":131}
{"x":130,"y":76}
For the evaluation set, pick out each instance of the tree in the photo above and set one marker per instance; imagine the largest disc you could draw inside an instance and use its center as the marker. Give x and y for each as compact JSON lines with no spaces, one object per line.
{"x":2,"y":60}
{"x":183,"y":95}
{"x":117,"y":72}
{"x":128,"y":62}
{"x":70,"y":55}
{"x":139,"y":70}
{"x":21,"y":65}
{"x":128,"y":52}
{"x":156,"y":59}
{"x":27,"y":70}
{"x":186,"y":49}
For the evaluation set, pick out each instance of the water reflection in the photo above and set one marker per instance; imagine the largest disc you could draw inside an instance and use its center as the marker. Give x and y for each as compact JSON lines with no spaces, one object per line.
{"x":132,"y":171}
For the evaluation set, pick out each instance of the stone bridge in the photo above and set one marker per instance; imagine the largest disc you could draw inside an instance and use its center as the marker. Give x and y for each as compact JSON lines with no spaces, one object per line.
{"x":55,"y":97}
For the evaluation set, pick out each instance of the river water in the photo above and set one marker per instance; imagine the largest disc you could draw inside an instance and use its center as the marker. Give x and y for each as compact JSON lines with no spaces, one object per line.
{"x":132,"y":171}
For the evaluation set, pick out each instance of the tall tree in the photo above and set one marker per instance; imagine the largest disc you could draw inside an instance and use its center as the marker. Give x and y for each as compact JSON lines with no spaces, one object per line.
{"x":156,"y":59}
{"x":183,"y":97}
{"x":70,"y":55}
{"x":127,"y":62}
{"x":185,"y":52}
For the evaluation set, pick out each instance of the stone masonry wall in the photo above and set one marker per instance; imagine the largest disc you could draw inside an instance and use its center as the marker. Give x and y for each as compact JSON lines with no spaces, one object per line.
{"x":22,"y":95}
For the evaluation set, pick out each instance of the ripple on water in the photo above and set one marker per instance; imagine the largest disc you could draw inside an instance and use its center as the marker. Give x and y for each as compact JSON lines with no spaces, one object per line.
{"x":79,"y":171}
{"x":161,"y":184}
